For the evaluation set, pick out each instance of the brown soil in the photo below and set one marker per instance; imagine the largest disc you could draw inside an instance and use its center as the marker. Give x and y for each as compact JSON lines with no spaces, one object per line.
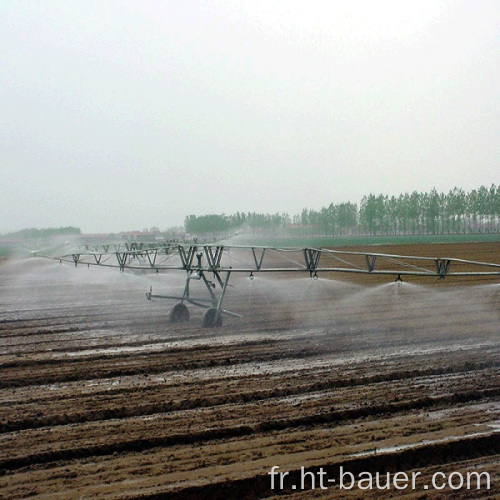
{"x":101,"y":397}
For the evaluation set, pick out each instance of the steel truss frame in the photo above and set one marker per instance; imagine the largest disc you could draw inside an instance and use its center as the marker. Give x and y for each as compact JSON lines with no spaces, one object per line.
{"x":220,"y":261}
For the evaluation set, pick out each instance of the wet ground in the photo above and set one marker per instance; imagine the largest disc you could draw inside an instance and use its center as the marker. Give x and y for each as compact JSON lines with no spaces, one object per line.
{"x":101,"y":397}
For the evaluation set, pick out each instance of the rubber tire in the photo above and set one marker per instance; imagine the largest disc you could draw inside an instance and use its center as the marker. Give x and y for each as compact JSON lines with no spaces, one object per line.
{"x":211,"y":318}
{"x":179,"y":313}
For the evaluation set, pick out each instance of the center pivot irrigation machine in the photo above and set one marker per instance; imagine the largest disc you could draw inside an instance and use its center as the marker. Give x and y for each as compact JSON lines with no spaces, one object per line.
{"x":218,"y":262}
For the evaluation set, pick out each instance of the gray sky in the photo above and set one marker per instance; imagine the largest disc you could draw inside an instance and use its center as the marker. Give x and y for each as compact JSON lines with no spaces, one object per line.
{"x":128,"y":114}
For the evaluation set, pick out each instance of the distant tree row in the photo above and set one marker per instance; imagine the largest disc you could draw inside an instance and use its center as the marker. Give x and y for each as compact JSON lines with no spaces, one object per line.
{"x":223,"y":223}
{"x":34,"y":233}
{"x":457,"y":211}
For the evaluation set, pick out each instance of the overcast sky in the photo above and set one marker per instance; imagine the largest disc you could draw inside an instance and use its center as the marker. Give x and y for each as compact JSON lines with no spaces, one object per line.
{"x":121,"y":115}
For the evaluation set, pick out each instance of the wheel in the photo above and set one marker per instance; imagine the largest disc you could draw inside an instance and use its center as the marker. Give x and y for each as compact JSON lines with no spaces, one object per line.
{"x":179,"y":314}
{"x":212,"y":318}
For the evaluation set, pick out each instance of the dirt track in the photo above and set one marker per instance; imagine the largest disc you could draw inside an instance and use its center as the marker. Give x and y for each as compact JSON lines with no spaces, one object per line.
{"x":101,"y":397}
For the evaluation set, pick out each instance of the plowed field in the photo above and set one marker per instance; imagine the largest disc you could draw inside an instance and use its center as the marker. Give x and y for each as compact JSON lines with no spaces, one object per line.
{"x":102,"y":397}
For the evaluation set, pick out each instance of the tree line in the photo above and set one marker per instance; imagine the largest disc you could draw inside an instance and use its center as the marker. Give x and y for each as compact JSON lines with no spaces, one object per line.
{"x":457,"y":211}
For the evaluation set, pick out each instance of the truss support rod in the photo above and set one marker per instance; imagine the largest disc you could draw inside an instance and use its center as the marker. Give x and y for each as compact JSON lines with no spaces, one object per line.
{"x":210,"y":286}
{"x":312,"y":257}
{"x":185,"y":294}
{"x":218,"y":278}
{"x":213,"y":257}
{"x":370,"y":262}
{"x":152,"y":262}
{"x":223,"y":292}
{"x":187,"y":259}
{"x":442,"y":267}
{"x":122,"y":260}
{"x":258,"y":260}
